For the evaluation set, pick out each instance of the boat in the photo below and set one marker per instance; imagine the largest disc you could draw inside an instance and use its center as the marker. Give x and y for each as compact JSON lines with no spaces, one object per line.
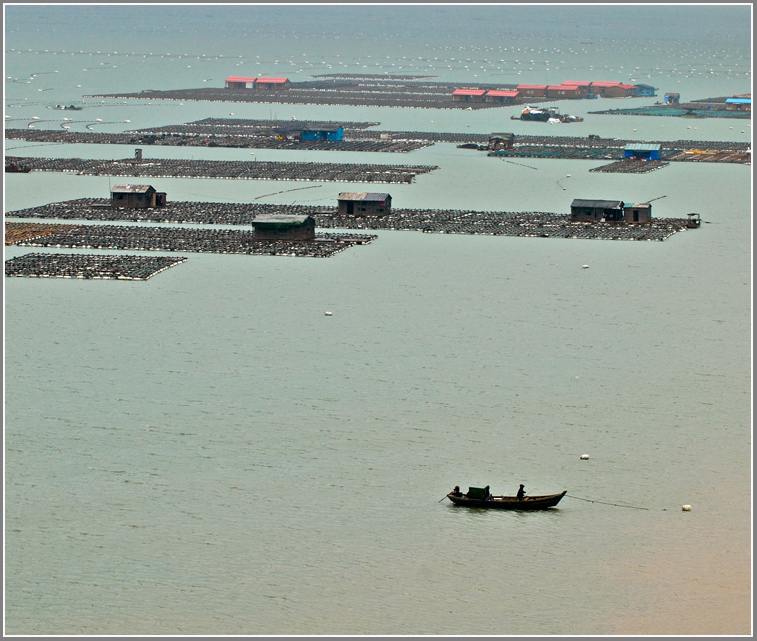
{"x":475,"y":498}
{"x":13,"y":168}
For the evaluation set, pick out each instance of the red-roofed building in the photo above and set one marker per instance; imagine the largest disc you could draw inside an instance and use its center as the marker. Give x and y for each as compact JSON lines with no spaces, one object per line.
{"x":468,"y":95}
{"x":563,"y":91}
{"x":532,"y":91}
{"x":272,"y":83}
{"x":496,"y":95}
{"x":238,"y":82}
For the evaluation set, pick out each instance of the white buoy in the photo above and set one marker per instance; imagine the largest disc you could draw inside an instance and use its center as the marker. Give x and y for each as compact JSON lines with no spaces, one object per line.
{"x":584,"y":457}
{"x":586,"y":267}
{"x":686,"y":508}
{"x":328,"y":314}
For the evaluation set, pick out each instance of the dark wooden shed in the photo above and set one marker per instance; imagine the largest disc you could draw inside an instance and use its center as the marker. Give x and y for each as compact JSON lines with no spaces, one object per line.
{"x":136,"y":196}
{"x":638,"y":213}
{"x":501,"y":141}
{"x":364,"y":204}
{"x":584,"y":210}
{"x":283,"y":227}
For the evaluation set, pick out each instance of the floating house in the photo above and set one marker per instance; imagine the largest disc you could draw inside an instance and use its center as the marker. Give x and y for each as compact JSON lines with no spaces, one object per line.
{"x":364,"y":204}
{"x":738,"y":103}
{"x":302,"y":131}
{"x":283,"y":227}
{"x":238,"y":82}
{"x":637,"y":213}
{"x":272,"y":83}
{"x":495,"y":95}
{"x":643,"y":151}
{"x":468,"y":95}
{"x":532,"y":91}
{"x":583,"y":210}
{"x":645,"y":90}
{"x":563,"y":91}
{"x":501,"y":141}
{"x":672,"y":98}
{"x":136,"y":197}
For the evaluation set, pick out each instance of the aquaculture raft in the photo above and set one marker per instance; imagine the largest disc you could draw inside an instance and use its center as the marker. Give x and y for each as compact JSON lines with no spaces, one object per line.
{"x":85,"y":266}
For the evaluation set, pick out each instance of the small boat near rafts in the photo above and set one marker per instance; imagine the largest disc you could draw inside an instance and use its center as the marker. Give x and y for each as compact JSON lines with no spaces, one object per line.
{"x":480,"y":498}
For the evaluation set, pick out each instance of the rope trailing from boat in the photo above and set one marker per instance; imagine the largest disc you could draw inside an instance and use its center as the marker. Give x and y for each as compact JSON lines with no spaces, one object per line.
{"x":635,"y":507}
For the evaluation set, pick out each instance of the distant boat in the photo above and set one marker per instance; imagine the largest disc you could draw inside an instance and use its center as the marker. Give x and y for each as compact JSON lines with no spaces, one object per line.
{"x":474,"y":498}
{"x":68,"y":108}
{"x":13,"y":168}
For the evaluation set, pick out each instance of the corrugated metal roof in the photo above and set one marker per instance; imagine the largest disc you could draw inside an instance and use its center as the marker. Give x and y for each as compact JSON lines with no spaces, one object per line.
{"x":279,"y":219}
{"x":239,"y":79}
{"x":563,"y":87}
{"x":362,"y":195}
{"x":532,"y":86}
{"x":469,"y":92}
{"x":497,"y":92}
{"x":648,"y":146}
{"x":601,"y":204}
{"x":580,"y":83}
{"x":606,"y":84}
{"x":272,"y":80}
{"x":739,"y":101}
{"x":130,"y":189}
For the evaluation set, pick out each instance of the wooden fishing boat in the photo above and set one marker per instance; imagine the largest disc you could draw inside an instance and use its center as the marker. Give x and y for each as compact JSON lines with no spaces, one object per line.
{"x":535,"y":502}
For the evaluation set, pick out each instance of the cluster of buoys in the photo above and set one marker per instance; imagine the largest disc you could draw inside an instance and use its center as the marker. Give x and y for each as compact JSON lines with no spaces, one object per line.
{"x":89,"y":266}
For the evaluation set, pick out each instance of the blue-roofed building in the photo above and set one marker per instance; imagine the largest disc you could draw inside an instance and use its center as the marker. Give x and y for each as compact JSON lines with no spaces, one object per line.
{"x":739,"y":103}
{"x":643,"y":151}
{"x":645,"y":90}
{"x":302,"y":131}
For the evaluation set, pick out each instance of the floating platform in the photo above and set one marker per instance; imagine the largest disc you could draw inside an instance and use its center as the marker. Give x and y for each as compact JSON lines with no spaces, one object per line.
{"x":240,"y":170}
{"x":442,"y":221}
{"x":89,"y":266}
{"x":170,"y":239}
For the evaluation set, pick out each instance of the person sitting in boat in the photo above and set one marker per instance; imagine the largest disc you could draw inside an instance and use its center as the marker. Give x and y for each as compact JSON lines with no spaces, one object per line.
{"x":521,"y":492}
{"x":456,"y":491}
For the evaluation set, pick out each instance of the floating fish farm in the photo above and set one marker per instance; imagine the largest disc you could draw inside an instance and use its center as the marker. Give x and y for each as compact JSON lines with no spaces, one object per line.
{"x":443,"y":221}
{"x":89,"y":266}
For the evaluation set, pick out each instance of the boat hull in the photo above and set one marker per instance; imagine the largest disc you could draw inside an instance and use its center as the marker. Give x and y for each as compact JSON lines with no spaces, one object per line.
{"x":541,"y":502}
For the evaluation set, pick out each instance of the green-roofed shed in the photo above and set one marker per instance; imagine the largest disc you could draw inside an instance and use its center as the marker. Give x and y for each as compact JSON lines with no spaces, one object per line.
{"x":283,"y":227}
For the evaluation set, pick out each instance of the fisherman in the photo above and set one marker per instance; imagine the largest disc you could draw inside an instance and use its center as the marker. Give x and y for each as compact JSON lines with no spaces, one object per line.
{"x":456,"y":491}
{"x":521,"y":492}
{"x":487,"y":495}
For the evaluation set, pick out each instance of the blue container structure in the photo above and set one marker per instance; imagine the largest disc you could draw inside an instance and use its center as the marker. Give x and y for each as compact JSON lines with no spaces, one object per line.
{"x":646,"y":151}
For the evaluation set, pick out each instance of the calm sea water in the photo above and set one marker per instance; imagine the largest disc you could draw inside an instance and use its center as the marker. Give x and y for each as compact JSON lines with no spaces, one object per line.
{"x":208,"y":453}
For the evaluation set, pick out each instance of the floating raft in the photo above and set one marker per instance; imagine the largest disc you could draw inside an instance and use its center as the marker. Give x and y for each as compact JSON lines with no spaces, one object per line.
{"x":171,"y":239}
{"x":86,"y":266}
{"x":442,"y":221}
{"x":244,"y":170}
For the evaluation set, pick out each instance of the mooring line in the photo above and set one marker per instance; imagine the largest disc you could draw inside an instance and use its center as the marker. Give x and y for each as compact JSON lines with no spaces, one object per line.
{"x":635,"y":507}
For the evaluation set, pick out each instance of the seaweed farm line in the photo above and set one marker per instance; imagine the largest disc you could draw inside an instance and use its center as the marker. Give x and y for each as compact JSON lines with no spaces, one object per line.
{"x":240,"y":170}
{"x":443,"y":221}
{"x":89,"y":266}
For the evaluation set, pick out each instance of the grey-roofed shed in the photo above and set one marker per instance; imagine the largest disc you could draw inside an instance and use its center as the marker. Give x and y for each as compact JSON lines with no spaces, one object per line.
{"x":283,"y":227}
{"x":361,"y":203}
{"x":586,"y":210}
{"x":136,"y":196}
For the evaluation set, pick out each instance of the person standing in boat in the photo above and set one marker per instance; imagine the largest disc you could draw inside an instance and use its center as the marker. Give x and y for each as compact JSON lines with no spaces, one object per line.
{"x":487,"y":495}
{"x":521,"y":492}
{"x":456,"y":491}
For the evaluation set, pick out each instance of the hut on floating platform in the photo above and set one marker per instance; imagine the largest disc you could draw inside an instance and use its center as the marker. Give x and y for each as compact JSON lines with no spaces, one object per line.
{"x":643,"y":151}
{"x":364,"y":204}
{"x":585,"y":210}
{"x":283,"y":227}
{"x":136,"y":197}
{"x":239,"y":82}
